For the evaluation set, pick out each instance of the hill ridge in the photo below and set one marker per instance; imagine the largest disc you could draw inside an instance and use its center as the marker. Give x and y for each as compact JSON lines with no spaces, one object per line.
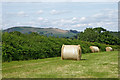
{"x":43,"y":31}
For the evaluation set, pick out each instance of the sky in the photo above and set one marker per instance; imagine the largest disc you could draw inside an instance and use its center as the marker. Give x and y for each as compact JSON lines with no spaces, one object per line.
{"x":63,"y":15}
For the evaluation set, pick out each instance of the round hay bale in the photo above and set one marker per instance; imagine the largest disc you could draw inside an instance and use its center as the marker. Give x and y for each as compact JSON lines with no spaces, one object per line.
{"x":109,"y":49}
{"x":71,"y":52}
{"x":94,"y":49}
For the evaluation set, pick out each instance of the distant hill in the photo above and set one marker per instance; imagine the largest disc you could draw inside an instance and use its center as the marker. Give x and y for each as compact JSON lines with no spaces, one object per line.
{"x":44,"y":31}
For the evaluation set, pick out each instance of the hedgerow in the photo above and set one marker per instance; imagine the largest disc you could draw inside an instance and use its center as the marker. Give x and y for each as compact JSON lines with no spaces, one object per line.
{"x":17,"y":46}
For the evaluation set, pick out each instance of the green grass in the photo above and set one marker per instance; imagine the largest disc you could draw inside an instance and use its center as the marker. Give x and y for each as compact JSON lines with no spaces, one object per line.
{"x":92,"y":65}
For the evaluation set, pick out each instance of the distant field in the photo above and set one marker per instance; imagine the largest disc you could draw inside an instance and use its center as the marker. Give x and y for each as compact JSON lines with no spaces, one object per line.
{"x":92,"y":65}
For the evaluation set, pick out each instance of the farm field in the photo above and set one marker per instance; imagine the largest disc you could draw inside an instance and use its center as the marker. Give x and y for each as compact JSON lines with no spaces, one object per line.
{"x":92,"y":65}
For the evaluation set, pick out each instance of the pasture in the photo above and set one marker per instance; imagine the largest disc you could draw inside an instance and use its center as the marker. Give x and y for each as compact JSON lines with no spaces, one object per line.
{"x":92,"y":65}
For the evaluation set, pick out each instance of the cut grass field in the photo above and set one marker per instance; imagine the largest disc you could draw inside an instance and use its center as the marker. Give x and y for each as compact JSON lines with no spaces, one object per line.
{"x":92,"y":65}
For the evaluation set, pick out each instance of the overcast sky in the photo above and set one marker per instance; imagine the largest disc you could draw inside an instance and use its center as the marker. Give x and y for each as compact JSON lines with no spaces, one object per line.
{"x":63,"y":15}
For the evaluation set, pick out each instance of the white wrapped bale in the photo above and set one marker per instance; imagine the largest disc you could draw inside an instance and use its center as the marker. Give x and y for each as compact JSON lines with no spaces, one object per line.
{"x":109,"y":49}
{"x":71,"y":52}
{"x":94,"y":49}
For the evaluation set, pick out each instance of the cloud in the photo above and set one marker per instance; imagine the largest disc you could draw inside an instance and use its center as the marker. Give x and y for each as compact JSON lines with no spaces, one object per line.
{"x":22,"y":13}
{"x":106,"y":18}
{"x":83,"y":18}
{"x":97,"y":15}
{"x":74,"y":18}
{"x":40,"y":18}
{"x":40,"y":12}
{"x":56,"y":12}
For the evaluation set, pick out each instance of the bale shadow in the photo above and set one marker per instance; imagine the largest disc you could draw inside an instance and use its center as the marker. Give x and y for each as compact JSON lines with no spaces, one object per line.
{"x":83,"y":59}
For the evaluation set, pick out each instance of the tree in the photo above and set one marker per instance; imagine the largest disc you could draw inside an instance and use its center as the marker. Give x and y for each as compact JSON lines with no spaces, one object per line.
{"x":99,"y":29}
{"x":99,"y":34}
{"x":88,"y":35}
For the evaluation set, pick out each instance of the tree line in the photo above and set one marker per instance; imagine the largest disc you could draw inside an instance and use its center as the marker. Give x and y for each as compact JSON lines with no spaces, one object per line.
{"x":99,"y":35}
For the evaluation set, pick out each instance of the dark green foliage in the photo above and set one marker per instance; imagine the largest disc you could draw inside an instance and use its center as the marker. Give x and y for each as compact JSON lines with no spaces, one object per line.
{"x":18,"y":46}
{"x":88,"y":35}
{"x":99,"y":29}
{"x":99,"y":35}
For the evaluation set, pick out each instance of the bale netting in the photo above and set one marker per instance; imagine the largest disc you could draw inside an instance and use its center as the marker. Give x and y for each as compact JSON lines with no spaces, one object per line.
{"x":94,"y":49}
{"x":109,"y":49}
{"x":71,"y":52}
